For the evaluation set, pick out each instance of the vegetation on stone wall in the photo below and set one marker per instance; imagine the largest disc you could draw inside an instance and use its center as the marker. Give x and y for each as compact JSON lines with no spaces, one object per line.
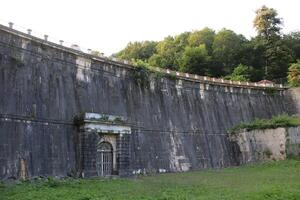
{"x":143,"y":72}
{"x":270,"y":91}
{"x":275,"y":122}
{"x":225,"y":53}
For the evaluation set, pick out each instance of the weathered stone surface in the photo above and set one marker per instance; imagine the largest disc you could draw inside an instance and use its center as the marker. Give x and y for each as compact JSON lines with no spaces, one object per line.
{"x":268,"y":144}
{"x":176,"y":125}
{"x":295,"y":93}
{"x":293,"y":141}
{"x":259,"y":145}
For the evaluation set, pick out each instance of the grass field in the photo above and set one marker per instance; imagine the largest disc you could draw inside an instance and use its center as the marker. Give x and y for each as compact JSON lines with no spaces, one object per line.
{"x":272,"y":180}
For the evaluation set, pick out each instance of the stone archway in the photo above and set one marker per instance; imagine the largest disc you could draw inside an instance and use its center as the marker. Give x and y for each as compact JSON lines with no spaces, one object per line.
{"x":103,"y":145}
{"x":104,"y":159}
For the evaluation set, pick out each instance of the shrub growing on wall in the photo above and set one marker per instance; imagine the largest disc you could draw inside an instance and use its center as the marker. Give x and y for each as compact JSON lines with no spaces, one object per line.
{"x":141,"y":73}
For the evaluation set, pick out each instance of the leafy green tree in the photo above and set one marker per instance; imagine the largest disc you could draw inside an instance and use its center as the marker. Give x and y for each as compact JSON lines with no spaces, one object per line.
{"x":276,"y":54}
{"x":181,"y":41}
{"x":209,"y":53}
{"x":169,"y":51}
{"x":292,"y":41}
{"x":157,"y":60}
{"x":205,"y":36}
{"x":267,"y":23}
{"x":255,"y":51}
{"x":279,"y":57}
{"x":227,"y":48}
{"x":294,"y":74}
{"x":166,"y":50}
{"x":241,"y":73}
{"x":138,"y":50}
{"x":195,"y":60}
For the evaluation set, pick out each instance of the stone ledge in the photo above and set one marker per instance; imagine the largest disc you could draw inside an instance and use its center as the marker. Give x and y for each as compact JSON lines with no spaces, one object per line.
{"x":128,"y":65}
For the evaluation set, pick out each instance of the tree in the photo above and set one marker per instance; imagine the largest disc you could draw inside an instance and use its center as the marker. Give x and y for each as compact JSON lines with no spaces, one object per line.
{"x":227,"y":47}
{"x":267,"y":23}
{"x":166,"y":50}
{"x":255,"y":57}
{"x":209,"y":53}
{"x":294,"y":74}
{"x":292,"y":41}
{"x":205,"y":36}
{"x":195,"y":60}
{"x":276,"y":54}
{"x":138,"y":50}
{"x":241,"y":73}
{"x":279,"y":57}
{"x":169,"y":51}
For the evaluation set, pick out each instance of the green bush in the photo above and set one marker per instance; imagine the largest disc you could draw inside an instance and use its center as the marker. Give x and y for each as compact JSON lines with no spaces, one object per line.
{"x":157,"y":75}
{"x":141,"y":73}
{"x":277,"y":121}
{"x":240,"y":73}
{"x":143,"y":70}
{"x":171,"y":76}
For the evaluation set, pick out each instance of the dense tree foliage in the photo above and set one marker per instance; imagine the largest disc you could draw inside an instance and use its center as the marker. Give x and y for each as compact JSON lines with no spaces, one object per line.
{"x":241,"y":73}
{"x":205,"y":36}
{"x":227,"y":49}
{"x":294,"y":74}
{"x":292,"y":41}
{"x":267,"y":23}
{"x":195,"y":60}
{"x":138,"y":50}
{"x":225,"y":53}
{"x":276,"y":54}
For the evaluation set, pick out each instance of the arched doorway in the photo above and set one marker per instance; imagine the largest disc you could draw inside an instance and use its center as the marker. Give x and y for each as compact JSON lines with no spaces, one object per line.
{"x":104,"y":159}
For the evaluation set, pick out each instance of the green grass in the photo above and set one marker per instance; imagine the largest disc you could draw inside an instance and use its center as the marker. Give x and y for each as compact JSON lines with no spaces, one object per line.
{"x":272,"y":180}
{"x":275,"y":122}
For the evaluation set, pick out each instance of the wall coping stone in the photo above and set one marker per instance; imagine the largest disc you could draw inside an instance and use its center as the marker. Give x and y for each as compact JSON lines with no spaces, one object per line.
{"x":128,"y":65}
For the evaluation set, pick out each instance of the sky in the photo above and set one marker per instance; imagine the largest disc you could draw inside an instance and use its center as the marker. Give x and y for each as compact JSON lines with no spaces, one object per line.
{"x":108,"y":25}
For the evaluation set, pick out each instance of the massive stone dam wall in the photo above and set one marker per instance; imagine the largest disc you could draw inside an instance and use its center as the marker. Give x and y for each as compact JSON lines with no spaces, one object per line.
{"x":64,"y":112}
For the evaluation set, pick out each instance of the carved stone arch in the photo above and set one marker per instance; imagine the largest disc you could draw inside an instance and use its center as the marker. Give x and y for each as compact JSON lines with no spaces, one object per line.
{"x":108,"y":138}
{"x":99,"y":136}
{"x":104,"y":159}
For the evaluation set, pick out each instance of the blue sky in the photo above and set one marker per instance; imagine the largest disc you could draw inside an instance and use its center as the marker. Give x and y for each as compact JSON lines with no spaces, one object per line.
{"x":108,"y":25}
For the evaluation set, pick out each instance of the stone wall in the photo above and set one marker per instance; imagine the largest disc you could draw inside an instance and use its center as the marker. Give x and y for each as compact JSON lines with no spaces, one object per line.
{"x":176,"y":124}
{"x":268,"y":144}
{"x":46,"y":149}
{"x":295,"y":93}
{"x":293,"y":142}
